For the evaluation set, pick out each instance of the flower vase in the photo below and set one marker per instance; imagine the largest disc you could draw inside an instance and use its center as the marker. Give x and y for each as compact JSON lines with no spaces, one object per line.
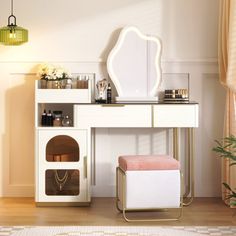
{"x":49,"y":84}
{"x":43,"y":84}
{"x":57,"y":84}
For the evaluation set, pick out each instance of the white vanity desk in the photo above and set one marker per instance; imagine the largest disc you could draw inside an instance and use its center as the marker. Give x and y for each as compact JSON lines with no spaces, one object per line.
{"x":65,"y":155}
{"x":80,"y":141}
{"x":158,"y":115}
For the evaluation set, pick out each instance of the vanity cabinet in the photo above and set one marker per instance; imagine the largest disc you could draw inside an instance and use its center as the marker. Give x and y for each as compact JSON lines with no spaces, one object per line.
{"x":62,"y":159}
{"x":62,"y":166}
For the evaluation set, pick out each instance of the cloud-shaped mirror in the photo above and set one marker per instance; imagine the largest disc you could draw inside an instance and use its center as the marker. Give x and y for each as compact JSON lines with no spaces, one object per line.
{"x":134,"y":66}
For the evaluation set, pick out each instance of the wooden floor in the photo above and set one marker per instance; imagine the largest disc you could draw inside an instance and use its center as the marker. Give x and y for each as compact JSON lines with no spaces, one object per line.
{"x":22,"y":211}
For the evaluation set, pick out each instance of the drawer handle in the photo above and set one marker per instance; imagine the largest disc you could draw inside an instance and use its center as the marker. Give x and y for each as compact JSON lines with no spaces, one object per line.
{"x":85,"y":168}
{"x":112,"y":105}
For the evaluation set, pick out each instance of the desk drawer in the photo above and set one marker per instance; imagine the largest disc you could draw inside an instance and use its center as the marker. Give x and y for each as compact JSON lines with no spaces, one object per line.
{"x":175,"y":115}
{"x":113,"y":115}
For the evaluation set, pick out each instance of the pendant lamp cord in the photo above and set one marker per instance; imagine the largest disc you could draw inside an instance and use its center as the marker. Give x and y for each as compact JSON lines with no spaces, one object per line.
{"x":11,"y":16}
{"x":11,"y":7}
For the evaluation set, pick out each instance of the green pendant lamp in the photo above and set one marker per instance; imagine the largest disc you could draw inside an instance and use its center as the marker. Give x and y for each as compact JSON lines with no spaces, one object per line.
{"x":13,"y":34}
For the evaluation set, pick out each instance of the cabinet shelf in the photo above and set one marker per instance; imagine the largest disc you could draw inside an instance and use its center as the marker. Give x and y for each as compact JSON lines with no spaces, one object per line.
{"x":55,"y":128}
{"x":64,"y":95}
{"x":67,"y":109}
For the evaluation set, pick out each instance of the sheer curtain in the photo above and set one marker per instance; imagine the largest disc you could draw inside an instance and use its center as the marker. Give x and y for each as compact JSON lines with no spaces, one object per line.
{"x":227,"y":68}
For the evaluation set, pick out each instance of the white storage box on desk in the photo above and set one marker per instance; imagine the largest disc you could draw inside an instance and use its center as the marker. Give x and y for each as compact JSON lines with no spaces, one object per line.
{"x":63,"y":95}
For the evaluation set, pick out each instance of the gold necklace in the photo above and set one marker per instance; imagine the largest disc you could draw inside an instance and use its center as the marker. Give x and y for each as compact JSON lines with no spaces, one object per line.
{"x":61,"y":181}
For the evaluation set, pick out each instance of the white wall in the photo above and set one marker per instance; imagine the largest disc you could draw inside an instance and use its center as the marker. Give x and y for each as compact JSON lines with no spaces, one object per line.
{"x":77,"y":32}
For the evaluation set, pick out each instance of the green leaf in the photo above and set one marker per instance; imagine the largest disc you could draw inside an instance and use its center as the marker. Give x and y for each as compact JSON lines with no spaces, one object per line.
{"x":227,"y":187}
{"x":232,"y":204}
{"x":228,"y":197}
{"x":228,"y":150}
{"x":219,"y":144}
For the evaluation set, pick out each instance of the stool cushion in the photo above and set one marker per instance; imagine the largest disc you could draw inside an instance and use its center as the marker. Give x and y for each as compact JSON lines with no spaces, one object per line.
{"x":148,"y":162}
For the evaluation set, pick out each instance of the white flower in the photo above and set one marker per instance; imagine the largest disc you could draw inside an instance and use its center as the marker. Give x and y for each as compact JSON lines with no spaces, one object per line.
{"x":51,"y":72}
{"x":59,"y":71}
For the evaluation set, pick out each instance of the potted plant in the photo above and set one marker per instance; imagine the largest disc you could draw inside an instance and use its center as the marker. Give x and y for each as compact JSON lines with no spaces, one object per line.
{"x":52,"y":76}
{"x":227,"y":149}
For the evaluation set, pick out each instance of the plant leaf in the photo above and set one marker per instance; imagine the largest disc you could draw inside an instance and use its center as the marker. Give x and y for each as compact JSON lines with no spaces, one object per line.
{"x":233,"y":203}
{"x":227,"y":187}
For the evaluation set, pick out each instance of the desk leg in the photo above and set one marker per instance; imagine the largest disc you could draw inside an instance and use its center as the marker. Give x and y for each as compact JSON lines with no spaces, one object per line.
{"x":176,"y":143}
{"x":190,"y":189}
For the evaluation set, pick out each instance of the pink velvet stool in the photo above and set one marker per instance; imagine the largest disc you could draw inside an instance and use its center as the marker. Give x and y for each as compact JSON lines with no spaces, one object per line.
{"x":148,"y":182}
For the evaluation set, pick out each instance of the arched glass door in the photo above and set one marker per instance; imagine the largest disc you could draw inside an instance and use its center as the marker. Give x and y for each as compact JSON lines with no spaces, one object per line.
{"x":62,"y":182}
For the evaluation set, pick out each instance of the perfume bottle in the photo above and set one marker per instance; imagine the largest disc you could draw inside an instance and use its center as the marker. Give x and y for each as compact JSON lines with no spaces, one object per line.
{"x":49,"y":119}
{"x":44,"y":118}
{"x":109,"y":94}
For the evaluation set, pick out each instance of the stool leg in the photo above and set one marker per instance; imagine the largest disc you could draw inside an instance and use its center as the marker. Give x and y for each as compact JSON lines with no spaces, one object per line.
{"x":117,"y":189}
{"x":124,"y":210}
{"x":154,"y":219}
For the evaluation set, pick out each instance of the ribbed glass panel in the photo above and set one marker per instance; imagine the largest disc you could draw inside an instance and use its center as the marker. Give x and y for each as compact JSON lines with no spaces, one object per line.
{"x":13,"y":36}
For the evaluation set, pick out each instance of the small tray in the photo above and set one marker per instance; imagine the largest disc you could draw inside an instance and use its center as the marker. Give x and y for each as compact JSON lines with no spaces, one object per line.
{"x":176,"y":100}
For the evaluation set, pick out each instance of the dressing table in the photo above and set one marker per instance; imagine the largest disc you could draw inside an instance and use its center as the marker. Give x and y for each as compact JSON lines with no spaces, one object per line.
{"x":136,"y":106}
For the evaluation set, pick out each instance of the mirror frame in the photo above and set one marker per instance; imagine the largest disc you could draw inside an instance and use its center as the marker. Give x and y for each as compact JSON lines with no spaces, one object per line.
{"x":115,"y":50}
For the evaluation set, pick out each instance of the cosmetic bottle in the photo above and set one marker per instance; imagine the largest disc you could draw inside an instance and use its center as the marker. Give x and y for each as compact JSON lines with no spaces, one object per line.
{"x":44,"y":118}
{"x":68,"y":84}
{"x":57,"y":121}
{"x":67,"y":122}
{"x":109,"y":94}
{"x":49,"y":119}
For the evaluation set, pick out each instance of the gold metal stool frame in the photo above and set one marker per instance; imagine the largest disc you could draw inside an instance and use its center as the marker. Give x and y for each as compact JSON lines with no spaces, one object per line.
{"x":124,"y":210}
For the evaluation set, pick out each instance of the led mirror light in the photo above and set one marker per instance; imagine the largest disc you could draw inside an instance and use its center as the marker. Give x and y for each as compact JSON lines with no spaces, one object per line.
{"x":134,"y":66}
